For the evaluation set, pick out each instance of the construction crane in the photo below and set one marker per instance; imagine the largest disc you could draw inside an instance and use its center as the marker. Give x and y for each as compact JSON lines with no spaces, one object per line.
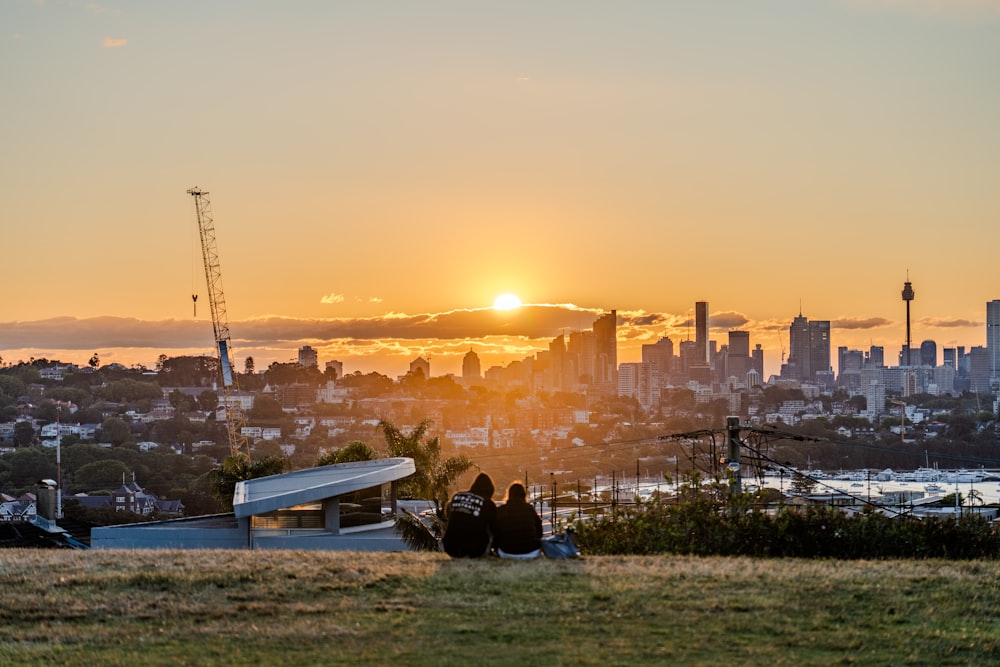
{"x":238,"y":443}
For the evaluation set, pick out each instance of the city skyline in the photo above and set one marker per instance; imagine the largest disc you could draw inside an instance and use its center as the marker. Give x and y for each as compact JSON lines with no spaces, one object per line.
{"x":380,"y":174}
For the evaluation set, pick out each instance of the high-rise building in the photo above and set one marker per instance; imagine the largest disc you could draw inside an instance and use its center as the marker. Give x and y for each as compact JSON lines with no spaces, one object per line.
{"x":819,"y":348}
{"x":738,"y":361}
{"x":979,"y":369}
{"x":849,"y":365}
{"x":950,"y":359}
{"x":798,"y":349}
{"x":337,"y":366}
{"x":606,"y":352}
{"x":757,"y":356}
{"x":637,"y":380}
{"x":661,"y":355}
{"x":422,"y":365}
{"x":582,"y":353}
{"x":993,"y":337}
{"x":928,"y":353}
{"x":875,"y":357}
{"x":688,"y":354}
{"x":808,"y":350}
{"x":701,"y":331}
{"x":471,"y":370}
{"x":308,"y":357}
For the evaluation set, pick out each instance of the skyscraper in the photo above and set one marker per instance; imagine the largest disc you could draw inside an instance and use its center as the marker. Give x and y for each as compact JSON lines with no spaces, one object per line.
{"x":701,"y":330}
{"x":606,"y":352}
{"x":798,"y":349}
{"x":308,"y":357}
{"x":471,"y":369}
{"x":808,"y":349}
{"x":661,"y":355}
{"x":738,"y":361}
{"x":993,"y":337}
{"x":819,"y":348}
{"x":928,"y":353}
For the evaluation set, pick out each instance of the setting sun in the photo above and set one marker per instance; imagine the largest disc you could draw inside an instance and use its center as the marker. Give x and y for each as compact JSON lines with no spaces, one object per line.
{"x":506,"y":302}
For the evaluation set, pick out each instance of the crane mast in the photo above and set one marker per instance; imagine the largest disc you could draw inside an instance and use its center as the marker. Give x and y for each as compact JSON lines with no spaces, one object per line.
{"x":238,"y":444}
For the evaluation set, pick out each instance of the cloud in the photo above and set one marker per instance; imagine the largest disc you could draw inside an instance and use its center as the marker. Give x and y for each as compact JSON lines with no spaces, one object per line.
{"x":332,"y":298}
{"x":113,"y":43}
{"x":527,"y":322}
{"x":727,"y":320}
{"x":860,"y":323}
{"x":942,"y":323}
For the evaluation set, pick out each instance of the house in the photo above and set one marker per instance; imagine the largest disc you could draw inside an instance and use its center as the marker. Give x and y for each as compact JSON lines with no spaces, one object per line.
{"x":130,"y":497}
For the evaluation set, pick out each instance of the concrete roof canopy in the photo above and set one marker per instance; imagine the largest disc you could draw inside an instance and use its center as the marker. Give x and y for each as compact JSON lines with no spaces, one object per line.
{"x":267,"y":494}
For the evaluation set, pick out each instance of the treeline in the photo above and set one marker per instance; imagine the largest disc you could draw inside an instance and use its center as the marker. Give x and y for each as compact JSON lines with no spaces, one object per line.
{"x":99,"y":471}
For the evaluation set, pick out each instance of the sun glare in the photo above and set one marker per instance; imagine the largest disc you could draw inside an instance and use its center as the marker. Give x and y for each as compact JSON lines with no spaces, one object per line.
{"x":506,"y":302}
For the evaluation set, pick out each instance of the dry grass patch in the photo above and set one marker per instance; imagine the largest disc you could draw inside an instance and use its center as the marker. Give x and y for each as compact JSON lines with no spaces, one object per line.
{"x":305,"y":608}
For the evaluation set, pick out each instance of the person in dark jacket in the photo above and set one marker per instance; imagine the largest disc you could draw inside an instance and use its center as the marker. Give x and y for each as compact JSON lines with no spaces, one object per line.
{"x":518,"y":526}
{"x":471,"y":516}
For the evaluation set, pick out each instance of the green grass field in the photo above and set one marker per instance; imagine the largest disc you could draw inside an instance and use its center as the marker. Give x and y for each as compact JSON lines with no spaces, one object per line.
{"x":332,"y":608}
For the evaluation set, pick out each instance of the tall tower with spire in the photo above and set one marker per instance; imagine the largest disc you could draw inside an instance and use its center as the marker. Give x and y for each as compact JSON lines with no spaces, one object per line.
{"x":907,"y":297}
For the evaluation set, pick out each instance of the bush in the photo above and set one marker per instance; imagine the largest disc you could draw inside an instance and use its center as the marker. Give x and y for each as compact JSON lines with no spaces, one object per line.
{"x":704,"y":523}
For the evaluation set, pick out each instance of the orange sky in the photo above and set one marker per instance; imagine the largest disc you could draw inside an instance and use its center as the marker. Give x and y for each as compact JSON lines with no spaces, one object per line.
{"x":371,"y":163}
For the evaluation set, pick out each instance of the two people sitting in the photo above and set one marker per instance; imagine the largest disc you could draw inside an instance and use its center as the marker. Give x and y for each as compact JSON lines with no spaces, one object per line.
{"x":475,"y":525}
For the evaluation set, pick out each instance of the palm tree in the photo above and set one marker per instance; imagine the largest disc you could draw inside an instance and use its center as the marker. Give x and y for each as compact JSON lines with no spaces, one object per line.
{"x":239,"y":469}
{"x":434,"y":476}
{"x":356,"y":450}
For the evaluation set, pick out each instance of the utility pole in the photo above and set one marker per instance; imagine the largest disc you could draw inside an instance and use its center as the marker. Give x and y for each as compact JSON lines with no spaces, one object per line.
{"x":733,"y":461}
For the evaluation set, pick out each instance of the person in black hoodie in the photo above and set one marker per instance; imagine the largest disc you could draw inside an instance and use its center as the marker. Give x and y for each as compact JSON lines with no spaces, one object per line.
{"x":518,"y":526}
{"x":471,"y":517}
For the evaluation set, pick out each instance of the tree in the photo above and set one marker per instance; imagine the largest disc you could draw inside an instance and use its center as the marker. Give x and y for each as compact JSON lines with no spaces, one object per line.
{"x":106,"y":474}
{"x":115,"y":430}
{"x":248,"y":366}
{"x":95,"y":361}
{"x":24,"y":433}
{"x":434,"y":476}
{"x":180,"y":401}
{"x":265,"y":407}
{"x":208,"y":400}
{"x":235,"y":469}
{"x":11,"y":385}
{"x":356,"y":450}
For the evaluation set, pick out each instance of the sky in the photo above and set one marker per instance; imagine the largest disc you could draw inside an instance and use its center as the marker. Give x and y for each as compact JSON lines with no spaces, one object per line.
{"x":379,"y":172}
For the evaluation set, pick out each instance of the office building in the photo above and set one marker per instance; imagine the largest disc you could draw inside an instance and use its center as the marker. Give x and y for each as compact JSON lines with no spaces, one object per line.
{"x":606,"y":352}
{"x":993,"y":337}
{"x":308,"y":357}
{"x":701,"y":331}
{"x":471,"y":369}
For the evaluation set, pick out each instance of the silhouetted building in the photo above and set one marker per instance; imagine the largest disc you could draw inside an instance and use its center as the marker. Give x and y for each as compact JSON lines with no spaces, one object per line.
{"x":993,"y":337}
{"x":423,"y":365}
{"x":471,"y":369}
{"x":661,"y":355}
{"x":337,"y":366}
{"x":928,"y":353}
{"x":701,"y":331}
{"x":808,"y":350}
{"x":308,"y":357}
{"x":606,"y":353}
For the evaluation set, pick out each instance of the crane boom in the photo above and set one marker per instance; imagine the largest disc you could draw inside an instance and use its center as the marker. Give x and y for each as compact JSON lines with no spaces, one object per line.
{"x":238,"y":444}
